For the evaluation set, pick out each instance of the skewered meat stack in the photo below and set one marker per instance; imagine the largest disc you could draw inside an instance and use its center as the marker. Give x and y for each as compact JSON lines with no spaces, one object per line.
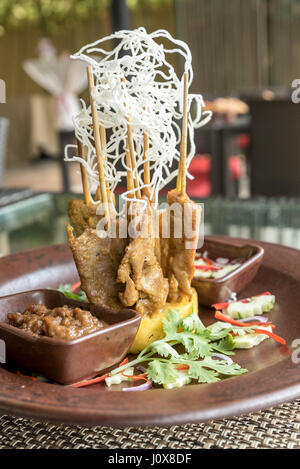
{"x":145,"y":264}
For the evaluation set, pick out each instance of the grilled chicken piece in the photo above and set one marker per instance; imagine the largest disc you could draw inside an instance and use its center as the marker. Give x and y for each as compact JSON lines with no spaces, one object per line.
{"x":182,"y":246}
{"x":97,"y":260}
{"x":140,"y":271}
{"x":82,"y":215}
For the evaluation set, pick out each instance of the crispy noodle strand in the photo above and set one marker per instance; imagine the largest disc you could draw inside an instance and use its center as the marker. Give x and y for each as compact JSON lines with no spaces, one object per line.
{"x":151,"y":100}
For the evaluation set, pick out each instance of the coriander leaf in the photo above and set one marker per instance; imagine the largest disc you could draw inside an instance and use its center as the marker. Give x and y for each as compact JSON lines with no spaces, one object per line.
{"x":218,"y":330}
{"x":223,"y":367}
{"x":162,"y":372}
{"x":66,"y":290}
{"x":226,"y":345}
{"x":164,"y":349}
{"x":202,"y":375}
{"x":195,"y":344}
{"x":192,"y":323}
{"x":172,"y":322}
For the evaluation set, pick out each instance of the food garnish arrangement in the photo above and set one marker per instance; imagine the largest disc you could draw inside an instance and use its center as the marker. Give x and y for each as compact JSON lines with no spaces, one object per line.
{"x":136,"y":252}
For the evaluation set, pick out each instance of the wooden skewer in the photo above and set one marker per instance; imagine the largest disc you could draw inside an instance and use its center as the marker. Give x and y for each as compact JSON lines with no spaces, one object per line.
{"x":110,"y":196}
{"x":98,"y":194}
{"x":98,"y":191}
{"x":133,"y":161}
{"x":131,"y":153}
{"x":97,"y":140}
{"x":103,"y":136}
{"x":181,"y":178}
{"x":147,"y":181}
{"x":130,"y":183}
{"x":84,"y":178}
{"x":103,"y":144}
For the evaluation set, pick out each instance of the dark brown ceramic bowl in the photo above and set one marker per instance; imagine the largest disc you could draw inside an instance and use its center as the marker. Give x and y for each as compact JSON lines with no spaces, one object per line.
{"x":218,"y":290}
{"x":67,"y":361}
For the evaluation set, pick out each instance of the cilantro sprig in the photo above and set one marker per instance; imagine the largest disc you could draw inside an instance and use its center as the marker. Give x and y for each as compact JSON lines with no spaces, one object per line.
{"x":168,"y":367}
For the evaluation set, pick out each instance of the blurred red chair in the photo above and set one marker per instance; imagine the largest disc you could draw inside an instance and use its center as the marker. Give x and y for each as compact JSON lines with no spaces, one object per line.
{"x":244,"y":140}
{"x":200,"y":168}
{"x":236,"y":167}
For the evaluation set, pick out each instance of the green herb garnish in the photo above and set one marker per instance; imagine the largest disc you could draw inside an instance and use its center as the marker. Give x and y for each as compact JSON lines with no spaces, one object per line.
{"x":168,"y":367}
{"x":67,"y":291}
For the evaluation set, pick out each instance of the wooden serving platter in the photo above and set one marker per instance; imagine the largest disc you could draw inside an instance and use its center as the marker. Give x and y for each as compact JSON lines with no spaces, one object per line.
{"x":273,"y":377}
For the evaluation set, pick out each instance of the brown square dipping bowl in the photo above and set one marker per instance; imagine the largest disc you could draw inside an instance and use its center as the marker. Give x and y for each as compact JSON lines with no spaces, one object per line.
{"x":67,"y":361}
{"x":211,"y":290}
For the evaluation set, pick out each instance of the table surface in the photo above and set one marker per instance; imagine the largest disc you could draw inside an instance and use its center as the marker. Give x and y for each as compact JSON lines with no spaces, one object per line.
{"x":40,"y":221}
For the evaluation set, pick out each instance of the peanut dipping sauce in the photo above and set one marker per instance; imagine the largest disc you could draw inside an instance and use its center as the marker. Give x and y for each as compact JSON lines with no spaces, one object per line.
{"x":62,"y":322}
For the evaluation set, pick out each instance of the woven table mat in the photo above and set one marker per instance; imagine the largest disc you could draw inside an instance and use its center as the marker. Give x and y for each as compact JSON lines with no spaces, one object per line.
{"x":275,"y":428}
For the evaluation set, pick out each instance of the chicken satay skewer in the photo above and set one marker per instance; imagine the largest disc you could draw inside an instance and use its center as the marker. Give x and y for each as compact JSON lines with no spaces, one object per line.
{"x":181,"y":177}
{"x":98,"y":146}
{"x":84,"y":178}
{"x":131,"y":152}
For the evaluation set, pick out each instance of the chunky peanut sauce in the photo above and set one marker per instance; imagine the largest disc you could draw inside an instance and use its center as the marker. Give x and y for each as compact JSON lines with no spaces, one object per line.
{"x":62,"y":322}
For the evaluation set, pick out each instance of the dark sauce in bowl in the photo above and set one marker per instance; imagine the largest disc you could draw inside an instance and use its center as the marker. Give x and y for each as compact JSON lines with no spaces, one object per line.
{"x":62,"y":322}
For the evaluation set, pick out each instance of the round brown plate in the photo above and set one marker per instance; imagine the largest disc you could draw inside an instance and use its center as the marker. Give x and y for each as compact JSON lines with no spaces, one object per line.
{"x":273,"y":378}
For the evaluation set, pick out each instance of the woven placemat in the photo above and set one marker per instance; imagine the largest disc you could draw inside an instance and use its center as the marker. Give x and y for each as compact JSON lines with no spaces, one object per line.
{"x":275,"y":428}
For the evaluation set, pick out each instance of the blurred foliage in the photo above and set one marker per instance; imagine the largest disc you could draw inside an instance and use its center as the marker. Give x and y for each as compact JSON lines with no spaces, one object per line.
{"x":48,"y":15}
{"x":149,"y":3}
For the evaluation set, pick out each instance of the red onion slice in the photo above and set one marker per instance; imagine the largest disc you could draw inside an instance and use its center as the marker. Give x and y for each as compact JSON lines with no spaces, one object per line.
{"x":142,"y":387}
{"x":222,"y":357}
{"x":222,"y":260}
{"x":255,"y":318}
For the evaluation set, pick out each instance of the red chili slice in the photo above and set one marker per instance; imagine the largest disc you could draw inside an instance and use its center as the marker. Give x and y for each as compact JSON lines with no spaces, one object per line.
{"x":265,"y":293}
{"x":182,"y":367}
{"x":75,"y":286}
{"x":204,"y":259}
{"x":88,"y":382}
{"x":245,"y":300}
{"x":224,"y":318}
{"x":220,"y":305}
{"x":96,"y":380}
{"x":33,"y":378}
{"x":208,"y":268}
{"x":207,"y":260}
{"x":136,"y":377}
{"x":275,"y":337}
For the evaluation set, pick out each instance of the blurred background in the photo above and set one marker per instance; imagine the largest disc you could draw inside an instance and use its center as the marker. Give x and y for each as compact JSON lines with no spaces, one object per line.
{"x":246,"y":55}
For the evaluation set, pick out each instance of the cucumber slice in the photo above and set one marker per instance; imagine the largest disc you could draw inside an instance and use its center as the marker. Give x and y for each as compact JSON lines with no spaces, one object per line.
{"x":202,"y":274}
{"x":117,"y":379}
{"x":225,"y":270}
{"x":257,"y":306}
{"x":250,"y":340}
{"x":182,"y":380}
{"x":213,"y":273}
